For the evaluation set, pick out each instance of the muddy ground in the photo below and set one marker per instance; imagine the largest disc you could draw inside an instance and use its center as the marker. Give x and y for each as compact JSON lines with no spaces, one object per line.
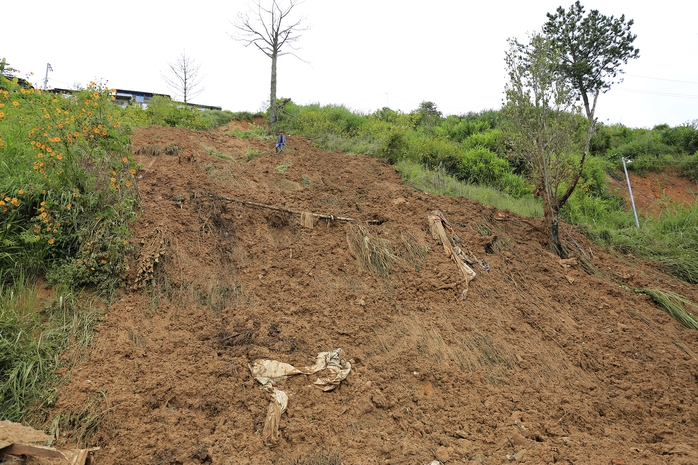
{"x":543,"y":362}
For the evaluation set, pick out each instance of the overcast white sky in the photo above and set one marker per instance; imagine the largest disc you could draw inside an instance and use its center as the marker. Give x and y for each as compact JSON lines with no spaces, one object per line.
{"x":364,"y":54}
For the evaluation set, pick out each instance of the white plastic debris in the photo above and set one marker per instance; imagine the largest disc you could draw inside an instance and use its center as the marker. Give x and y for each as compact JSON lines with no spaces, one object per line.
{"x":323,"y":360}
{"x":336,"y":373}
{"x":277,"y":406}
{"x":270,"y":372}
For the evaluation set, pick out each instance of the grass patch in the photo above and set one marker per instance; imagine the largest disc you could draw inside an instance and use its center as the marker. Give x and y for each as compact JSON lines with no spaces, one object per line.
{"x":282,"y":168}
{"x":414,"y":249}
{"x":674,"y":304}
{"x":439,"y":183}
{"x":220,"y":296}
{"x":287,"y":185}
{"x":173,"y":150}
{"x":251,"y":155}
{"x":80,"y":425}
{"x":253,"y":132}
{"x":214,"y":153}
{"x":671,"y":240}
{"x":306,"y":181}
{"x":34,"y":338}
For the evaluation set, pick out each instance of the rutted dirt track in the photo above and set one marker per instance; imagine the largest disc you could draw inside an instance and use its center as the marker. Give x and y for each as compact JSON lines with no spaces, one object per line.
{"x":542,"y":363}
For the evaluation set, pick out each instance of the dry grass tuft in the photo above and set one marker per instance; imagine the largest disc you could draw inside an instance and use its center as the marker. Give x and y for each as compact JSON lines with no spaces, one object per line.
{"x":173,"y":150}
{"x":81,"y":424}
{"x":375,"y":255}
{"x":153,"y":150}
{"x":414,"y":249}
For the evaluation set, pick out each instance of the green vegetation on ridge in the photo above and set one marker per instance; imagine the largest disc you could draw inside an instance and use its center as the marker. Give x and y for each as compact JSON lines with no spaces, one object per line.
{"x":468,"y":155}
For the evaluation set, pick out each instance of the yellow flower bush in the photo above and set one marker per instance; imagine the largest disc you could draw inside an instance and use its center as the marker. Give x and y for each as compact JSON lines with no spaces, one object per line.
{"x":64,"y":161}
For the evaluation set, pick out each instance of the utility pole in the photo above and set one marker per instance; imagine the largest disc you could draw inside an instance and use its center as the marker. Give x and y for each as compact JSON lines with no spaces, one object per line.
{"x":48,"y":68}
{"x":630,"y":191}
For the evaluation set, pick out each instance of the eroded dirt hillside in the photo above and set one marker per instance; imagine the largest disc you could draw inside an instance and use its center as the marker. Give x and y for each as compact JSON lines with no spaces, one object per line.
{"x":543,"y":362}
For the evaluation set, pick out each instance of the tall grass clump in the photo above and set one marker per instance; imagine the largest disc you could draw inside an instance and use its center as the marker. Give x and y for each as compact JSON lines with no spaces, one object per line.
{"x":67,"y":188}
{"x":32,"y":338}
{"x":592,"y":205}
{"x":671,"y":240}
{"x":675,"y":305}
{"x":374,"y":254}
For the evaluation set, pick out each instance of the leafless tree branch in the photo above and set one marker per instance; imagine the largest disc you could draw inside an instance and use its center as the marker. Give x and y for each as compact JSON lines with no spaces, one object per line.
{"x":184,"y":79}
{"x":268,"y":28}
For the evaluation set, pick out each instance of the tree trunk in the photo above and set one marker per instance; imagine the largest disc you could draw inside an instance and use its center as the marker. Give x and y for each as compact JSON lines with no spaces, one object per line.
{"x":554,"y":233}
{"x":272,"y":96}
{"x":185,"y":87}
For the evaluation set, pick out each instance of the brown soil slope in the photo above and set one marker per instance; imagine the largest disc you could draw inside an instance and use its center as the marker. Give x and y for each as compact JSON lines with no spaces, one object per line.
{"x":541,"y":363}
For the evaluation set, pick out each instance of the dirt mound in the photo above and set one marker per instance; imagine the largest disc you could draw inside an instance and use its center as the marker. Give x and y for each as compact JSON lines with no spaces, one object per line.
{"x":543,"y":362}
{"x":653,"y":193}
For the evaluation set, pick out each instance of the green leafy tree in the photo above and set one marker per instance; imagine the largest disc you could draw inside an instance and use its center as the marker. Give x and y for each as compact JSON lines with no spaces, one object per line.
{"x":591,"y":49}
{"x":273,"y":30}
{"x":428,"y":114}
{"x":544,"y":120}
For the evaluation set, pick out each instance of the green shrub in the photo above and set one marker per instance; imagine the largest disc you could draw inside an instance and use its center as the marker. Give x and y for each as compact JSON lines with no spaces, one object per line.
{"x":492,"y":140}
{"x":435,"y":153}
{"x":514,"y":185}
{"x":593,"y":179}
{"x":689,"y":167}
{"x":684,"y":138}
{"x":608,"y":211}
{"x":647,"y":152}
{"x":459,"y":130}
{"x":393,"y":146}
{"x":246,"y":116}
{"x":216,"y":118}
{"x":164,"y":112}
{"x":481,"y":166}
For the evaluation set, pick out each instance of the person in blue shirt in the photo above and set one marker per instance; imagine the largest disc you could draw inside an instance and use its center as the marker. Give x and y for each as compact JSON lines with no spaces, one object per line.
{"x":280,"y":142}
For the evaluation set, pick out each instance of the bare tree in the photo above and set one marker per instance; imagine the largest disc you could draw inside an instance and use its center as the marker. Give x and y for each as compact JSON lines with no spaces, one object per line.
{"x":270,"y":28}
{"x":184,"y":80}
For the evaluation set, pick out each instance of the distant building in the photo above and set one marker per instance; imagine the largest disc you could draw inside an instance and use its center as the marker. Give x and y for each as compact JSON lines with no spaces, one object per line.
{"x":124,"y":97}
{"x":202,"y":107}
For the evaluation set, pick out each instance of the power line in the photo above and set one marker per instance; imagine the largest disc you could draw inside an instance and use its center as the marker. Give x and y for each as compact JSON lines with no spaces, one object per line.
{"x":661,"y":94}
{"x":661,"y":79}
